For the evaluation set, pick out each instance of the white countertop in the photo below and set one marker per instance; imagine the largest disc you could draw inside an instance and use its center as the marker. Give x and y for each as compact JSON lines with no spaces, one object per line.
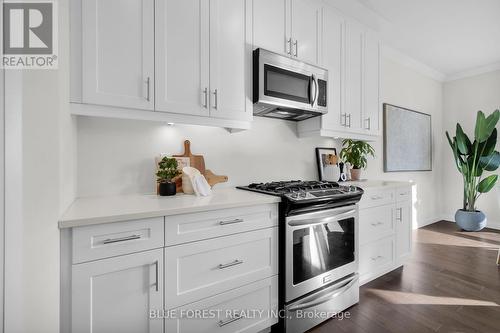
{"x":95,"y":210}
{"x":366,"y":183}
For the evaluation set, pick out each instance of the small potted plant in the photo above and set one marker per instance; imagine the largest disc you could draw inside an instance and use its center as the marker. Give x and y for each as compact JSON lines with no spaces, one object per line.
{"x":472,"y":160}
{"x":355,"y":152}
{"x":167,"y":171}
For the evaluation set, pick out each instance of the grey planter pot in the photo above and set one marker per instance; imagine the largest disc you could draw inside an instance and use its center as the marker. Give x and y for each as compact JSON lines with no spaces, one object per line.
{"x":470,"y":221}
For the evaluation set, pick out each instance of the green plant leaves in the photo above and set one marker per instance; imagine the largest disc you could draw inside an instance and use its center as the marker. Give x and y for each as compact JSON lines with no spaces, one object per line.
{"x":355,"y":152}
{"x":463,"y":143}
{"x":488,"y":147}
{"x":490,"y":162}
{"x":487,"y":184}
{"x":485,"y":126}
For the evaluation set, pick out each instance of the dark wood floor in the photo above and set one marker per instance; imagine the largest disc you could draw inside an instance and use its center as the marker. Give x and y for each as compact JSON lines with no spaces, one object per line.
{"x":451,"y":284}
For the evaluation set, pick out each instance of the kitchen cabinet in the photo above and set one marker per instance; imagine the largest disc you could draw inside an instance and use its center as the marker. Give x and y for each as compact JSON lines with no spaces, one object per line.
{"x":118,"y":53}
{"x":351,"y":53}
{"x":289,"y":27}
{"x":385,"y":230}
{"x":116,"y":295}
{"x":185,"y":61}
{"x":182,"y":59}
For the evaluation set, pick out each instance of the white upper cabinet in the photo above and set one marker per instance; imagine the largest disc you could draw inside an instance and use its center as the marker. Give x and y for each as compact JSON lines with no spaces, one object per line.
{"x":333,"y":36}
{"x":271,"y":25}
{"x":371,"y":84}
{"x":306,"y":20}
{"x":354,"y":75}
{"x":118,"y":53}
{"x":182,"y":59}
{"x":230,"y":59}
{"x":289,"y":27}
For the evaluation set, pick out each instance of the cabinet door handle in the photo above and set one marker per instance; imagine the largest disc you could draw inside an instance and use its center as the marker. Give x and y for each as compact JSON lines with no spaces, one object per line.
{"x":230,"y":264}
{"x":296,"y":45}
{"x":231,"y":221}
{"x":121,"y":239}
{"x":157,"y":276}
{"x":400,"y":217}
{"x":205,"y":97}
{"x":343,"y":116}
{"x":148,"y":85}
{"x":349,"y":117}
{"x":215,"y":99}
{"x":229,"y":321}
{"x":368,"y":122}
{"x":289,"y":46}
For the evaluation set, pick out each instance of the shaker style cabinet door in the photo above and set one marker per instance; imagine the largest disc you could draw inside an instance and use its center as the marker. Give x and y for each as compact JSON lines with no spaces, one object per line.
{"x":182,"y":59}
{"x":231,"y":59}
{"x":403,"y":230}
{"x":271,"y":26}
{"x":332,"y":41}
{"x":116,"y":295}
{"x":354,"y":75}
{"x":118,"y":53}
{"x":306,"y":17}
{"x":371,"y":108}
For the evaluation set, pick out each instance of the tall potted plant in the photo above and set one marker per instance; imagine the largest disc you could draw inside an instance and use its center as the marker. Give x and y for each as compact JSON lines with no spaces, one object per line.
{"x":472,"y":159}
{"x":167,"y":171}
{"x":355,"y":153}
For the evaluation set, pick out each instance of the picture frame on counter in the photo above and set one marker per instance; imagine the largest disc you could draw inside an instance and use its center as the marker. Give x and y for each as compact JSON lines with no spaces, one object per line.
{"x":327,"y":162}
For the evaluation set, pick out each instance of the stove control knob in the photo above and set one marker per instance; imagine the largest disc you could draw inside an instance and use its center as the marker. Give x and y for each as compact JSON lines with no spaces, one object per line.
{"x":352,"y":188}
{"x":294,"y":195}
{"x":303,"y":194}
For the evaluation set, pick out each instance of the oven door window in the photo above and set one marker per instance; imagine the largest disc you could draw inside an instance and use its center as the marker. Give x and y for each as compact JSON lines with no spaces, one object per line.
{"x":320,"y":248}
{"x":284,"y":84}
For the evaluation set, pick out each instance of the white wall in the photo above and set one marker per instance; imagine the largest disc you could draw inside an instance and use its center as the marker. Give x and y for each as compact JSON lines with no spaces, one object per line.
{"x":462,"y":99}
{"x":117,"y":156}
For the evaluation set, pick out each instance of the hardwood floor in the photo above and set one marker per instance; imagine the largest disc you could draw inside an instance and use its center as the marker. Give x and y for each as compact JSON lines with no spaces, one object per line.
{"x":451,"y":284}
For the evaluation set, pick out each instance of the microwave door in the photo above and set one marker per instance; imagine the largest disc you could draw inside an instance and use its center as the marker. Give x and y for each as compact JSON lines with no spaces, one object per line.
{"x":281,"y":84}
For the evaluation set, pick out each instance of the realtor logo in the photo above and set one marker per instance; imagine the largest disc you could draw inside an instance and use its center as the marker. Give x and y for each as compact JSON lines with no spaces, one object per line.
{"x":29,"y":35}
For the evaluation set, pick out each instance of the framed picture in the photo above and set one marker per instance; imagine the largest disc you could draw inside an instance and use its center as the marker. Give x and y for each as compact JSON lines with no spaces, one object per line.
{"x":327,"y":161}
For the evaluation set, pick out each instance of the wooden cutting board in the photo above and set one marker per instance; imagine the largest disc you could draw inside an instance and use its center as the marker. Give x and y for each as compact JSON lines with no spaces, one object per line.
{"x":195,"y":161}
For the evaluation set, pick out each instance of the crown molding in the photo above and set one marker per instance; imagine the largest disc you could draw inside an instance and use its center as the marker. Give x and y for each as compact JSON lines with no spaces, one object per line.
{"x":474,"y":72}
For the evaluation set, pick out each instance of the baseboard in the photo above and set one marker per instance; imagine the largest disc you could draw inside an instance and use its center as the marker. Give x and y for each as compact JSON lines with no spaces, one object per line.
{"x":429,"y":221}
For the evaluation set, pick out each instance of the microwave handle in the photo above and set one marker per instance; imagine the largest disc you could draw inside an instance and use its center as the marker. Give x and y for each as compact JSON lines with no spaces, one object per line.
{"x":315,"y":94}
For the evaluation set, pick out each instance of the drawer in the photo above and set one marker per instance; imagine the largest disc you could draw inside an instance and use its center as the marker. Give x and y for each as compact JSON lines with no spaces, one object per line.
{"x":113,"y":239}
{"x":202,"y":269}
{"x":373,"y":198}
{"x":376,"y":256}
{"x":403,"y":194}
{"x":375,"y":223}
{"x":197,"y":226}
{"x":233,"y":311}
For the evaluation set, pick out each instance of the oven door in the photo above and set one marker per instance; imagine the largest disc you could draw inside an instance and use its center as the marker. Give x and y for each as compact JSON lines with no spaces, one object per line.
{"x":321,"y":247}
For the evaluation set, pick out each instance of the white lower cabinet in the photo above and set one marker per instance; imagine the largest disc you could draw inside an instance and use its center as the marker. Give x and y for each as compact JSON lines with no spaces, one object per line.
{"x":128,"y":276}
{"x":116,"y":295}
{"x":385,"y":225}
{"x":246,"y":309}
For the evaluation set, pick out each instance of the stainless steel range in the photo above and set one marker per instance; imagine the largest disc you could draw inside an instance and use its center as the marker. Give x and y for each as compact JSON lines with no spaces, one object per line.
{"x":318,"y":250}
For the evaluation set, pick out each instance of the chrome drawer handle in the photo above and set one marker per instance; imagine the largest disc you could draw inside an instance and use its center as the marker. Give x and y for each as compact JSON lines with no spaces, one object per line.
{"x":376,"y":258}
{"x":230,"y":320}
{"x":121,"y":239}
{"x":234,"y":263}
{"x":376,"y":224}
{"x":376,"y":197}
{"x":231,"y":221}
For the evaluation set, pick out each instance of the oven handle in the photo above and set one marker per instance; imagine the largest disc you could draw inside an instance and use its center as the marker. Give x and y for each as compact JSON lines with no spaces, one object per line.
{"x":327,"y":297}
{"x":315,"y":94}
{"x":322,"y":220}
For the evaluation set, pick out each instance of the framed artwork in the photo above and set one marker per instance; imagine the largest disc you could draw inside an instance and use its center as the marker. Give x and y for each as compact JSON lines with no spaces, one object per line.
{"x":407,"y":140}
{"x":327,"y":161}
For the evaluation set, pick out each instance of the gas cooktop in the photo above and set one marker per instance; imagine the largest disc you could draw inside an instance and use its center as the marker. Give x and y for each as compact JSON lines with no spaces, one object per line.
{"x":299,"y":191}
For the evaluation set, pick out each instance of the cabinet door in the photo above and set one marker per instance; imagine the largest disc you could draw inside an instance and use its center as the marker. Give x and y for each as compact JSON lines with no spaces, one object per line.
{"x":403,"y":230}
{"x":270,"y":29}
{"x":371,"y":109}
{"x":182,"y":63}
{"x":306,"y":17}
{"x":116,"y":295}
{"x":333,"y":38}
{"x":354,"y":69}
{"x":118,"y":53}
{"x":230,"y":59}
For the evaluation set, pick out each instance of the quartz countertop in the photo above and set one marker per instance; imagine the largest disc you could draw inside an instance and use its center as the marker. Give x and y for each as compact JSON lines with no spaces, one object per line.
{"x":105,"y":209}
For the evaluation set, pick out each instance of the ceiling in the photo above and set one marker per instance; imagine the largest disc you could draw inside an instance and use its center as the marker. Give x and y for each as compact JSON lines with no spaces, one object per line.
{"x":450,"y":36}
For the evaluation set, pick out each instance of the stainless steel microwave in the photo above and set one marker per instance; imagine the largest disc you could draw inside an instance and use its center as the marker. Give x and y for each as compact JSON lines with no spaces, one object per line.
{"x":287,"y":88}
